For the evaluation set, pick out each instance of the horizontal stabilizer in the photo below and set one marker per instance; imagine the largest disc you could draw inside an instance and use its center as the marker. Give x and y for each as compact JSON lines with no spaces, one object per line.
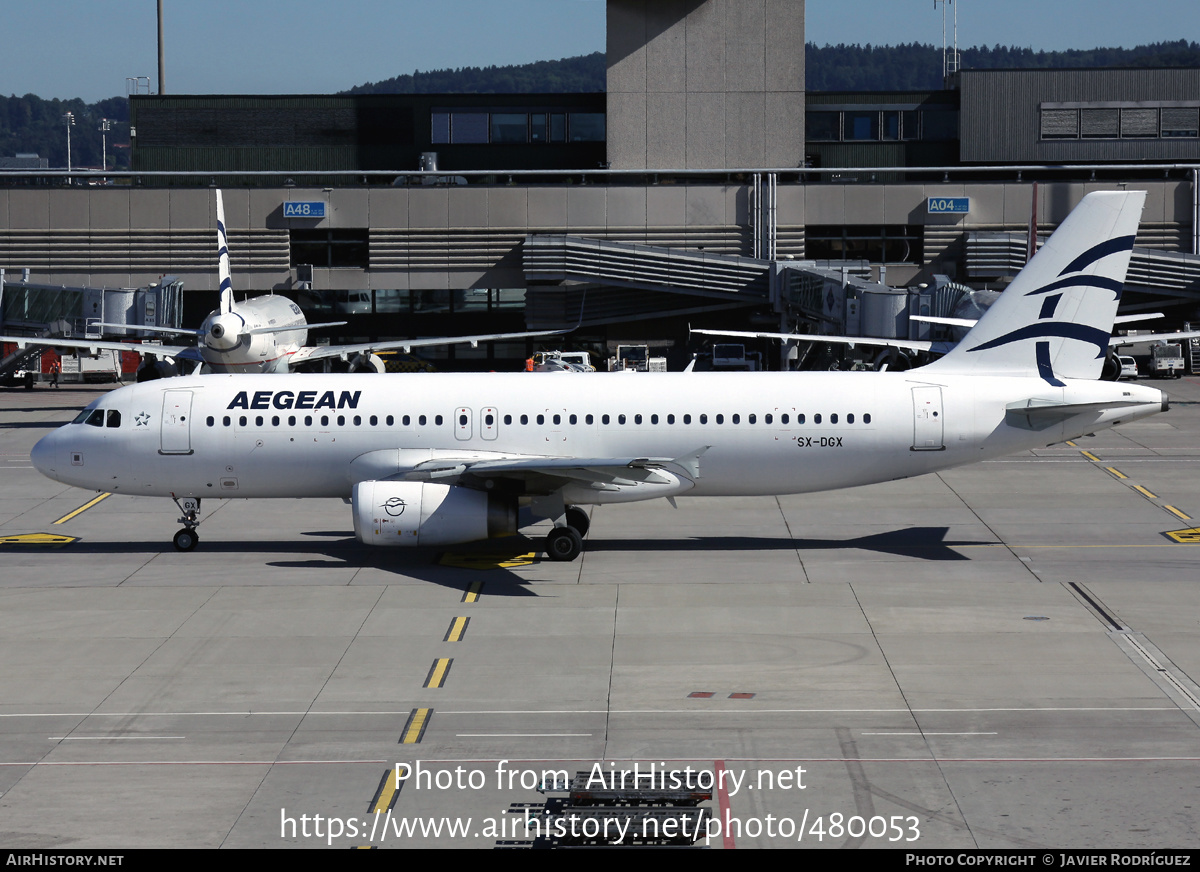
{"x":1039,"y":414}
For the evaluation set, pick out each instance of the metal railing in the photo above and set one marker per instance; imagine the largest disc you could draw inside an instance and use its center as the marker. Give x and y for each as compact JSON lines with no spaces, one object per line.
{"x":286,"y":178}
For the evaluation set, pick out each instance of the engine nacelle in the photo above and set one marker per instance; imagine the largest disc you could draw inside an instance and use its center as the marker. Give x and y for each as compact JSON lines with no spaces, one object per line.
{"x":411,"y":513}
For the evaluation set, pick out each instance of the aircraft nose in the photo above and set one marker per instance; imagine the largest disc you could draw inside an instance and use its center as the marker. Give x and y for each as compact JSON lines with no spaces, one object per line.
{"x":44,"y":454}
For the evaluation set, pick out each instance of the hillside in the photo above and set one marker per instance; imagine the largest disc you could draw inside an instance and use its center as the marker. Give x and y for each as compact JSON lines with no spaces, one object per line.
{"x":31,"y":124}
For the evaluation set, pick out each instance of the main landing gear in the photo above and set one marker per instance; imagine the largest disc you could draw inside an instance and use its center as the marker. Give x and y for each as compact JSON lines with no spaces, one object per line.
{"x":187,"y":538}
{"x":566,"y":543}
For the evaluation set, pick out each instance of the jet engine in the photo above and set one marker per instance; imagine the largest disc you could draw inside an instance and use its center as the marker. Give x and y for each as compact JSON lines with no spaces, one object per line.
{"x":412,"y":513}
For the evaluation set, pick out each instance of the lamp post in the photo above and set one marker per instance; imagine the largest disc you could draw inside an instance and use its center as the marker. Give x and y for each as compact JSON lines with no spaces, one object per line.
{"x":105,"y":126}
{"x":69,"y":119}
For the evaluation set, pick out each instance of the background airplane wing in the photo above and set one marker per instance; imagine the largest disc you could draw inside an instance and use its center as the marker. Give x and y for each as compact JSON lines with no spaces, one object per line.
{"x":320,"y":352}
{"x":170,"y":331}
{"x":94,"y":345}
{"x":1117,"y":341}
{"x":911,"y":344}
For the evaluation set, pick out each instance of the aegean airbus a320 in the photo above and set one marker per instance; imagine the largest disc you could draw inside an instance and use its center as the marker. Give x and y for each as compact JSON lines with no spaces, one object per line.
{"x":438,"y":459}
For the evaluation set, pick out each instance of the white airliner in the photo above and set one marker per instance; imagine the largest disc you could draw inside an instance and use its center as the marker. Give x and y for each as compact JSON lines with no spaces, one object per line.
{"x":261,"y":335}
{"x":444,"y":459}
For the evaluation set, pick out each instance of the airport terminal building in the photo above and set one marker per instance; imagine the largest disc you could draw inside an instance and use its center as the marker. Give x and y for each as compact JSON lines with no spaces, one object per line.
{"x":705,"y":187}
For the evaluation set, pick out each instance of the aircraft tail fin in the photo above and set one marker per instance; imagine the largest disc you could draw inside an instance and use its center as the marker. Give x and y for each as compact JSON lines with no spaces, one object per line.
{"x":223,"y":258}
{"x":1055,"y":319}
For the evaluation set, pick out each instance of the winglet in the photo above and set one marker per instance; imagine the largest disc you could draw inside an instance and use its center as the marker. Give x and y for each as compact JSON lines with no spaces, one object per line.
{"x":223,"y":258}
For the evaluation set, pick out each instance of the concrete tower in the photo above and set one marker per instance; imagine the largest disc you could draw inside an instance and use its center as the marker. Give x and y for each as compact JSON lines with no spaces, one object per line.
{"x":705,"y":84}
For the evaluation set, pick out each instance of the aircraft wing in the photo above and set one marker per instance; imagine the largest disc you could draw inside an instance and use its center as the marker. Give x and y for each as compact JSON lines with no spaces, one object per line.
{"x":548,"y":474}
{"x":320,"y":352}
{"x":971,"y":322}
{"x":170,"y":331}
{"x":1117,"y":341}
{"x":539,"y":475}
{"x":910,"y":344}
{"x":935,"y":347}
{"x":94,"y":345}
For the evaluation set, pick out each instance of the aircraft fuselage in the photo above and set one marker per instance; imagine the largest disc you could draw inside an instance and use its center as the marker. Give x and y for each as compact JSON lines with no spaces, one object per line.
{"x":760,"y":433}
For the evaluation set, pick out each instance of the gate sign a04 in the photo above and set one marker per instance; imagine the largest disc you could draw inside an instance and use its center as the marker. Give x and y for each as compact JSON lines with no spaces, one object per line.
{"x":948,"y":205}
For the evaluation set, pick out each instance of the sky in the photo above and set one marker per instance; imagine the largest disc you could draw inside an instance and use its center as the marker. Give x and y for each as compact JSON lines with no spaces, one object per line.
{"x":87,"y":48}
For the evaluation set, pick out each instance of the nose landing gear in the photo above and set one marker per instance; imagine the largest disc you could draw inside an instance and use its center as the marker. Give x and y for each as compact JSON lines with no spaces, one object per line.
{"x":187,"y":538}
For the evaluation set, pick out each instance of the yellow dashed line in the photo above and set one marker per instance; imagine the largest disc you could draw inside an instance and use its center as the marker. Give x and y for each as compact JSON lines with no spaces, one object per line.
{"x":1090,"y":456}
{"x":385,"y":796}
{"x":1175,"y":511}
{"x":472,"y":593}
{"x":438,"y":672}
{"x":414,"y":730}
{"x":1072,"y":444}
{"x":1144,"y":492}
{"x":457,"y":627}
{"x":82,"y":509}
{"x":1116,"y":472}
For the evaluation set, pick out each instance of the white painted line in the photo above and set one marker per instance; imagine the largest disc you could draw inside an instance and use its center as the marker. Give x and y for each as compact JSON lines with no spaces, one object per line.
{"x":690,"y":711}
{"x":919,"y":733}
{"x":106,"y":738}
{"x":521,"y":735}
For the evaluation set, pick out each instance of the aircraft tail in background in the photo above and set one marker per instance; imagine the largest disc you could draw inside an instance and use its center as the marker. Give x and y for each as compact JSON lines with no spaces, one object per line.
{"x":223,"y":258}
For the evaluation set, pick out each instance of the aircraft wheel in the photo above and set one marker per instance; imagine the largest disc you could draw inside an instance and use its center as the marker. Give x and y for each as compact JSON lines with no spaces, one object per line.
{"x":186,"y":540}
{"x":578,"y":520}
{"x":564,"y":544}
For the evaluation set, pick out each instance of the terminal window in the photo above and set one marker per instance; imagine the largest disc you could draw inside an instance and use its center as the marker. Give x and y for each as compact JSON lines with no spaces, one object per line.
{"x":880,"y":124}
{"x":479,"y":127}
{"x":329,"y":248}
{"x":1118,"y":121}
{"x":890,"y":243}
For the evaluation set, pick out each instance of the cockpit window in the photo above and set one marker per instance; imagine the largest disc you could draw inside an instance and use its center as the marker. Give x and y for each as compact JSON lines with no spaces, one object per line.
{"x":82,"y":416}
{"x":96,"y":419}
{"x":114,"y":418}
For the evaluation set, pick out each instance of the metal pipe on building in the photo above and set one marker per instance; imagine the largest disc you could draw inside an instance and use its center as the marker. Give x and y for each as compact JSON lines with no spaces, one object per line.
{"x":755,"y":214}
{"x":162,"y":64}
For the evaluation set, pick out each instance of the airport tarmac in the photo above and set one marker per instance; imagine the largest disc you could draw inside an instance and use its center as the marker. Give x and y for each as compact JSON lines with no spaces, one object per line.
{"x":1003,"y":656}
